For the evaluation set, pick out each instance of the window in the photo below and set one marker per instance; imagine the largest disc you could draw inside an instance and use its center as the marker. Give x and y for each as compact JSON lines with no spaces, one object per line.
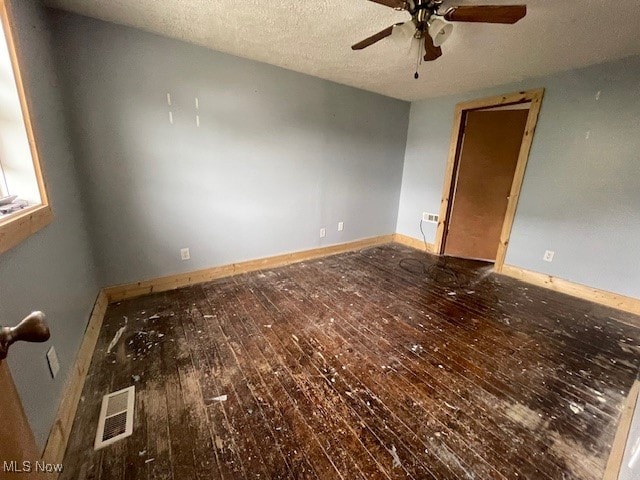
{"x":24,"y":207}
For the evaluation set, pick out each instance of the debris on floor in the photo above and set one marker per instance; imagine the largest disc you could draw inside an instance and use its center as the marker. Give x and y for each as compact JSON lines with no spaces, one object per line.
{"x":394,"y":455}
{"x":575,"y":408}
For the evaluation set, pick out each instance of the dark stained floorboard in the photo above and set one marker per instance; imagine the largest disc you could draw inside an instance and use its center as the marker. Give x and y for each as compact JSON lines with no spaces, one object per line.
{"x":407,"y":352}
{"x":322,"y":394}
{"x":386,"y":386}
{"x":333,"y":431}
{"x":284,"y":460}
{"x":297,"y":414}
{"x":361,"y":399}
{"x":381,"y":364}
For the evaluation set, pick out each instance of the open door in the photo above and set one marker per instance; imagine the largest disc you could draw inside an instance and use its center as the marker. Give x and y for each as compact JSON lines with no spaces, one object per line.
{"x":17,"y":444}
{"x":486,"y":166}
{"x":18,"y":449}
{"x":482,"y":184}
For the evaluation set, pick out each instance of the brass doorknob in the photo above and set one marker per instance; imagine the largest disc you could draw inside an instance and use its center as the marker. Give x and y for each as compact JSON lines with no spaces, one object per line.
{"x":33,"y":328}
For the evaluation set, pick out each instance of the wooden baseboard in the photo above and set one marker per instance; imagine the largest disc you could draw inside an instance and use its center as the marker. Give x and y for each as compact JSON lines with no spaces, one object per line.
{"x":622,"y":434}
{"x":609,"y":299}
{"x":602,"y":297}
{"x":162,"y":284}
{"x":413,"y":243}
{"x":59,"y":436}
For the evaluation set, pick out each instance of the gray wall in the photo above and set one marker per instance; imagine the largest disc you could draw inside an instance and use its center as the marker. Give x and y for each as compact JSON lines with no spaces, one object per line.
{"x":278,"y":154}
{"x":52,"y":270}
{"x":581,"y":192}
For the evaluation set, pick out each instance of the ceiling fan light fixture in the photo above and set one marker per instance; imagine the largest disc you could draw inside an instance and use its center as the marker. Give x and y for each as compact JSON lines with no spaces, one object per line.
{"x":440,"y":31}
{"x":404,"y":31}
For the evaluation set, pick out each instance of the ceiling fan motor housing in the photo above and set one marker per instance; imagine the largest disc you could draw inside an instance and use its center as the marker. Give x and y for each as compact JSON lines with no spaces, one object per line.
{"x":423,"y":10}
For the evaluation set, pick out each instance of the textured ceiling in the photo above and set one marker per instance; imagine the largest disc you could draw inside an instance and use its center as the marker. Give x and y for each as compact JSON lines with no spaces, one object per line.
{"x":314,"y":37}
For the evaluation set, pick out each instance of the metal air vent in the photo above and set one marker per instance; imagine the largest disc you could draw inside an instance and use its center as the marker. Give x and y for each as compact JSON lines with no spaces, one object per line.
{"x":116,"y":417}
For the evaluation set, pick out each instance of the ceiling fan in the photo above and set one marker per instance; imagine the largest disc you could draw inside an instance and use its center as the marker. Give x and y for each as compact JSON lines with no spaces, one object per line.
{"x":431,"y":23}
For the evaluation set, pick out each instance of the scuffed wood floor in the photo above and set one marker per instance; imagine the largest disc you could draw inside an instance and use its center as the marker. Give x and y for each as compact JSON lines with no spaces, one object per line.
{"x":379,"y":364}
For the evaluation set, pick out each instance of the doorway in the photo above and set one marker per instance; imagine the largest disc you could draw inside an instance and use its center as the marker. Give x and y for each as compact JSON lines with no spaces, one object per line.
{"x":489,"y":150}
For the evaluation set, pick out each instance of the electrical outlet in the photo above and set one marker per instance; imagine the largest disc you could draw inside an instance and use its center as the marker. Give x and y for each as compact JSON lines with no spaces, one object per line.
{"x":323,"y":232}
{"x":340,"y":226}
{"x":429,"y":217}
{"x":54,"y":364}
{"x":548,"y":256}
{"x":184,"y":254}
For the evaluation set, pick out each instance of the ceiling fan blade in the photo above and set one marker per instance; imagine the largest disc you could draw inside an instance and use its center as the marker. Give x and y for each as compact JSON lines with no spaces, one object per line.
{"x":374,"y":38}
{"x":431,"y":52}
{"x":486,"y":13}
{"x":397,"y":4}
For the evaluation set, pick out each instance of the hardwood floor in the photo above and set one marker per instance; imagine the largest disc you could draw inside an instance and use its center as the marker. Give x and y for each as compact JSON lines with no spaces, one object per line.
{"x":379,"y":364}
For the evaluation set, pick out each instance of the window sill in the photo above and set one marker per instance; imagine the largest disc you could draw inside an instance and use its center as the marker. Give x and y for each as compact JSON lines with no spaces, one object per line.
{"x":19,"y":226}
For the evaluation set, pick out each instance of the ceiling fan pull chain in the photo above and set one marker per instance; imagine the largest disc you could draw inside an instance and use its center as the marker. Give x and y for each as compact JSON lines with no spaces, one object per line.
{"x":418,"y":61}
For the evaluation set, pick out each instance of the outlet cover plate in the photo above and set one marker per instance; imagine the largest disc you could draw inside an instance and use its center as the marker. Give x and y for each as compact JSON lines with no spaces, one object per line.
{"x":430,"y":217}
{"x":548,"y":256}
{"x":185,"y":254}
{"x":54,"y":364}
{"x":340,"y":226}
{"x":323,"y":232}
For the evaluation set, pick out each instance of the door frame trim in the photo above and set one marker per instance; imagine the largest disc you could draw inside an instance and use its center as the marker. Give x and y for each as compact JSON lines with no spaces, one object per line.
{"x":535,"y":98}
